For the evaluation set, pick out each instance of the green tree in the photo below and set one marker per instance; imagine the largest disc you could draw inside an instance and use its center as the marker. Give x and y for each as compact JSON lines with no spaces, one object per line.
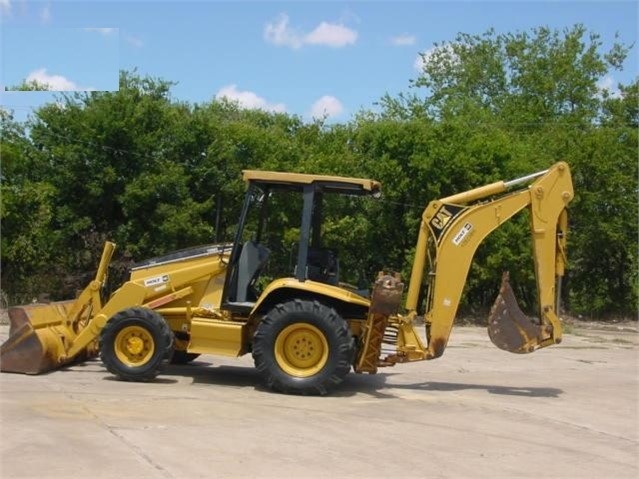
{"x":74,"y":179}
{"x":605,"y":217}
{"x":156,"y":174}
{"x":31,"y":85}
{"x":507,"y":104}
{"x":27,"y":242}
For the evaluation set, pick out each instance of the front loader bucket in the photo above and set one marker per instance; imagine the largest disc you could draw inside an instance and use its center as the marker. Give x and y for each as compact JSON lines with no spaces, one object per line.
{"x":43,"y":337}
{"x":36,"y":338}
{"x":508,"y":327}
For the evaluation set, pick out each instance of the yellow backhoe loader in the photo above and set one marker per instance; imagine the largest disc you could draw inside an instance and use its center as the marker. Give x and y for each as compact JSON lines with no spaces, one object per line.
{"x":305,"y":329}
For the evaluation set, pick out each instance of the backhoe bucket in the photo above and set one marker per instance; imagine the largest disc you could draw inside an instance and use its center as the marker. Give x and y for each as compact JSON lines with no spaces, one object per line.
{"x":508,"y":327}
{"x":36,"y":338}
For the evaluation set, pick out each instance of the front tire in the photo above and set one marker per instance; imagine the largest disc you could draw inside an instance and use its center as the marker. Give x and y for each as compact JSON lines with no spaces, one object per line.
{"x":303,"y":347}
{"x":136,"y":344}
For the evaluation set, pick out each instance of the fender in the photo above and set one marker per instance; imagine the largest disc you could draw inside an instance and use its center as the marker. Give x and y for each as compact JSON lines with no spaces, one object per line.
{"x":313,"y":288}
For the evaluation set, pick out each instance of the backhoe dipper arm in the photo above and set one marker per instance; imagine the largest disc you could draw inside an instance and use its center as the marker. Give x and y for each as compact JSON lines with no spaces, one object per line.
{"x":451,"y":230}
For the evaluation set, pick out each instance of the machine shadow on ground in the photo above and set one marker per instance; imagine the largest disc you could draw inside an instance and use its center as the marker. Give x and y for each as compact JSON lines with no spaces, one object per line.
{"x":492,"y":389}
{"x":375,"y":385}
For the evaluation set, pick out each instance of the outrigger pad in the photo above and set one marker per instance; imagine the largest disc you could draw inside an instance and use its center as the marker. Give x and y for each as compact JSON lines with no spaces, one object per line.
{"x":508,"y":327}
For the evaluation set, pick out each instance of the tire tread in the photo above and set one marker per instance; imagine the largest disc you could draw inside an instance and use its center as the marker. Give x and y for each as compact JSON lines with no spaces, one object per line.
{"x":163,"y":343}
{"x":278,"y":317}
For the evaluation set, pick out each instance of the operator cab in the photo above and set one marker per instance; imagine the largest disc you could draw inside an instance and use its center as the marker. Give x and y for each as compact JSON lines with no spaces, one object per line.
{"x":279,"y":233}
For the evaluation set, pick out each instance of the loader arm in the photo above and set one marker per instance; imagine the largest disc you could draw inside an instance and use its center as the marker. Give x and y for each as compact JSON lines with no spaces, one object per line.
{"x":451,"y":230}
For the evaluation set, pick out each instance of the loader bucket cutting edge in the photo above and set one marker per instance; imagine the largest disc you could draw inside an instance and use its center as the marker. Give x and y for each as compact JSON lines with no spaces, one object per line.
{"x":508,"y":327}
{"x":35,"y":343}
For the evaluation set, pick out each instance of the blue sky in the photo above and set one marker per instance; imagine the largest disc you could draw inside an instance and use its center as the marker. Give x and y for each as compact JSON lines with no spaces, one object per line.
{"x":301,"y":57}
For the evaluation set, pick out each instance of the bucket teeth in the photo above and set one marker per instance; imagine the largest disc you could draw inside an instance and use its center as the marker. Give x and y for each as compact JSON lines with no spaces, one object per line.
{"x":508,"y":327}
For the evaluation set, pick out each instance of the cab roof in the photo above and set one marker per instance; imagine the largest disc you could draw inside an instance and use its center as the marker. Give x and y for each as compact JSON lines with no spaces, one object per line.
{"x":338,"y":184}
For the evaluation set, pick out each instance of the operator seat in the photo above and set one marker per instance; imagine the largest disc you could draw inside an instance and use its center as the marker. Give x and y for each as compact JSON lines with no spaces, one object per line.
{"x":252,"y":259}
{"x":323,"y":265}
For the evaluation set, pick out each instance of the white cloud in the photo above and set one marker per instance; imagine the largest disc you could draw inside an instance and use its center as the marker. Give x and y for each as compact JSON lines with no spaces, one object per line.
{"x":326,"y":107}
{"x":53,"y":82}
{"x":403,"y":40}
{"x":101,"y":30}
{"x":334,"y":35}
{"x":5,"y":7}
{"x":428,"y":55}
{"x":348,"y":16}
{"x":45,"y":14}
{"x":248,"y":99}
{"x":331,"y":35}
{"x":134,"y":41}
{"x":279,"y":33}
{"x":609,"y":84}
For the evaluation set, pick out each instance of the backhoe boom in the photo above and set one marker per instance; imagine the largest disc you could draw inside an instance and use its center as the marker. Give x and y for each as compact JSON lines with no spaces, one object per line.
{"x":450,"y":233}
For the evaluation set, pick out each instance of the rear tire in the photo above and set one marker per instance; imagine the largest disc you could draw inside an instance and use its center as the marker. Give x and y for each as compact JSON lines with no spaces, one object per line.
{"x":136,"y":344}
{"x":303,"y":347}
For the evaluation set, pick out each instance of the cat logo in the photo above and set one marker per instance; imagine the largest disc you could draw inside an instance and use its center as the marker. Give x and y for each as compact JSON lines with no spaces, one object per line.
{"x":442,"y":217}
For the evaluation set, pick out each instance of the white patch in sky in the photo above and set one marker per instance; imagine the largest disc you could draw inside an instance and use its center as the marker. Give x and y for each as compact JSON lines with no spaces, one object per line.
{"x":326,"y":107}
{"x":45,"y":14}
{"x":429,"y":54}
{"x":348,"y":16}
{"x":101,"y":30}
{"x":248,"y":99}
{"x":5,"y":7}
{"x":335,"y":35}
{"x":134,"y":41}
{"x":279,"y":33}
{"x":53,"y":82}
{"x":609,"y":84}
{"x":403,"y":40}
{"x":331,"y":35}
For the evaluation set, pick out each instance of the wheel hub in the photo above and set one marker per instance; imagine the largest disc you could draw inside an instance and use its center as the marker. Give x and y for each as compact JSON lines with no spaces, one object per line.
{"x":134,"y":346}
{"x":301,"y":350}
{"x":303,"y":347}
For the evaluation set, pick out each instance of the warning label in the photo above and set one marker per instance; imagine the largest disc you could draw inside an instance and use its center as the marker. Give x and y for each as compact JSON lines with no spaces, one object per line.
{"x":463,"y":232}
{"x":156,"y":280}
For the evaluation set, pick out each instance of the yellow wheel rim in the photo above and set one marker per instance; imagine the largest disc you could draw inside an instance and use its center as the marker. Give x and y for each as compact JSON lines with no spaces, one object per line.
{"x":134,"y":346}
{"x":301,"y":350}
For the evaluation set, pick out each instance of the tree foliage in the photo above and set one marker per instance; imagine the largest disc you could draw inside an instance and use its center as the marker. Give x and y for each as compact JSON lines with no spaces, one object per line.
{"x":516,"y":102}
{"x":156,"y":174}
{"x":30,"y":85}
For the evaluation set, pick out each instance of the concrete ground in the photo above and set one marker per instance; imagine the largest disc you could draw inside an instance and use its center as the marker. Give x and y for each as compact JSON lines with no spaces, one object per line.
{"x":569,"y":411}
